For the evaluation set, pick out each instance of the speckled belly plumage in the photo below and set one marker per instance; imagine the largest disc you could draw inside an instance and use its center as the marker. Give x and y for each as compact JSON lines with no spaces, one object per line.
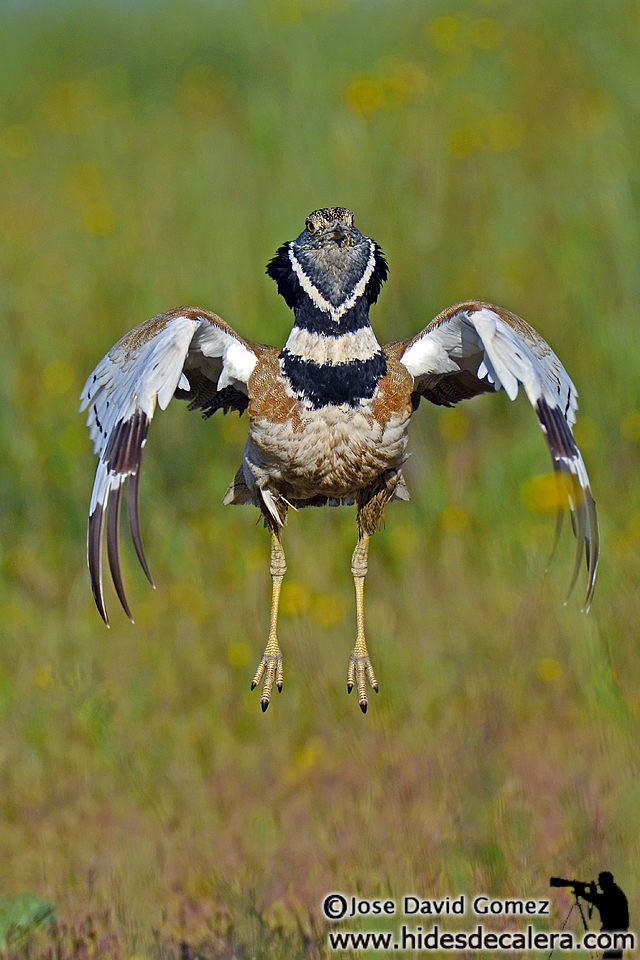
{"x":332,"y":452}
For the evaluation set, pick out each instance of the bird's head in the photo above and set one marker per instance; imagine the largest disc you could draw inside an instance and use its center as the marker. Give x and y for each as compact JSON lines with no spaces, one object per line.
{"x":330,"y":262}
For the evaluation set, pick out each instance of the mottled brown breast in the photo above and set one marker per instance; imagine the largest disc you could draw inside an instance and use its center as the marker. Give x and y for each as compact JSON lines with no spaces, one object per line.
{"x":268,"y":397}
{"x":393,"y":396}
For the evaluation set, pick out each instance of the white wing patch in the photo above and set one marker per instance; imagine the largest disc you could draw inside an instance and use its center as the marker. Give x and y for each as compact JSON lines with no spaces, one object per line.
{"x":129,"y":381}
{"x":439,"y":352}
{"x":144,"y":368}
{"x":479,"y":343}
{"x":484,"y":343}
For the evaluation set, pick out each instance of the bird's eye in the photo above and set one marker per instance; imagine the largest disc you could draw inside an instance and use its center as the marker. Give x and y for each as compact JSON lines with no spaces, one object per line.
{"x":310,"y":225}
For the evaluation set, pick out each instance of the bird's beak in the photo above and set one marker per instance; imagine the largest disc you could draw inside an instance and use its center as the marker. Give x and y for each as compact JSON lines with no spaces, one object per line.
{"x":338,"y":232}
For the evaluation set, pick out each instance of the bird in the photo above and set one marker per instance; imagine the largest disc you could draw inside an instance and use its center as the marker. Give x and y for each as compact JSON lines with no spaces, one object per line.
{"x":328,"y":413}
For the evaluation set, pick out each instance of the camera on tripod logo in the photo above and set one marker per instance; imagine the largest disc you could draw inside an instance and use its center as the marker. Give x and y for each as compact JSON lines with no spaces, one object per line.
{"x":579,"y":888}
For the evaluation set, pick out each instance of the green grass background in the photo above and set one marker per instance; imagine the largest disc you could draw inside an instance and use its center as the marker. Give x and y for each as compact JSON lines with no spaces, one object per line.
{"x":157,"y":154}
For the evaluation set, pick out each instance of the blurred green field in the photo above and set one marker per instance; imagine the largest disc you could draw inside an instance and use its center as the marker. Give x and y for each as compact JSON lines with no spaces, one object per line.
{"x":153,"y":155}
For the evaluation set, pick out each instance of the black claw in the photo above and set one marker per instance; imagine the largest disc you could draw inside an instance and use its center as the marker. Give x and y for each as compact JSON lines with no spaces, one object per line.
{"x":349,"y":687}
{"x":279,"y":686}
{"x":363,"y":707}
{"x":376,"y":688}
{"x":254,"y":684}
{"x":264,"y":704}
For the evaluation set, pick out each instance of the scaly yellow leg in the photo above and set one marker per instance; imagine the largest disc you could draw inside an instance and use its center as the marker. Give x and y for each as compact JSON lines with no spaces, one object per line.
{"x":360,"y":670}
{"x":271,"y":662}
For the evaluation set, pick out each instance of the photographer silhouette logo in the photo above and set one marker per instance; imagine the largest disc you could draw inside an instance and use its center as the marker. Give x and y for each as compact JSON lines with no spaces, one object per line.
{"x":610,"y":901}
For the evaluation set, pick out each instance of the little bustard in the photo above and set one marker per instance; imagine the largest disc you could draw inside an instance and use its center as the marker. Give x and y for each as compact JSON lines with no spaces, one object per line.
{"x":328,"y":413}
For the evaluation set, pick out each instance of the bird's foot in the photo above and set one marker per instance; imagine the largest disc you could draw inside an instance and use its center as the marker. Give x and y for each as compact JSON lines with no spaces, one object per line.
{"x":271,"y":667}
{"x":360,"y":673}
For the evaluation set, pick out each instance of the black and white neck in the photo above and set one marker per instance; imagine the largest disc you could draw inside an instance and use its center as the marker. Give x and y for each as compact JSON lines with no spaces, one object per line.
{"x":330,"y":276}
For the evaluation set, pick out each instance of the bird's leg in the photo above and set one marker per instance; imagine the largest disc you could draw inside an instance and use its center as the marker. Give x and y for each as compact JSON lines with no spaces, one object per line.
{"x":360,"y":670}
{"x":271,"y":663}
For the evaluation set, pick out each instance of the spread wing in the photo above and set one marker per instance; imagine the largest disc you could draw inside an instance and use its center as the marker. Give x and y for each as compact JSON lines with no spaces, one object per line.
{"x":473,"y":348}
{"x":189,"y":353}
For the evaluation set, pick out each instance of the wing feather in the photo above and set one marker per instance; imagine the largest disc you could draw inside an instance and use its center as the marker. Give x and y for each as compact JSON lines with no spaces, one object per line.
{"x":113,"y":548}
{"x":475,"y":347}
{"x":153,"y":362}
